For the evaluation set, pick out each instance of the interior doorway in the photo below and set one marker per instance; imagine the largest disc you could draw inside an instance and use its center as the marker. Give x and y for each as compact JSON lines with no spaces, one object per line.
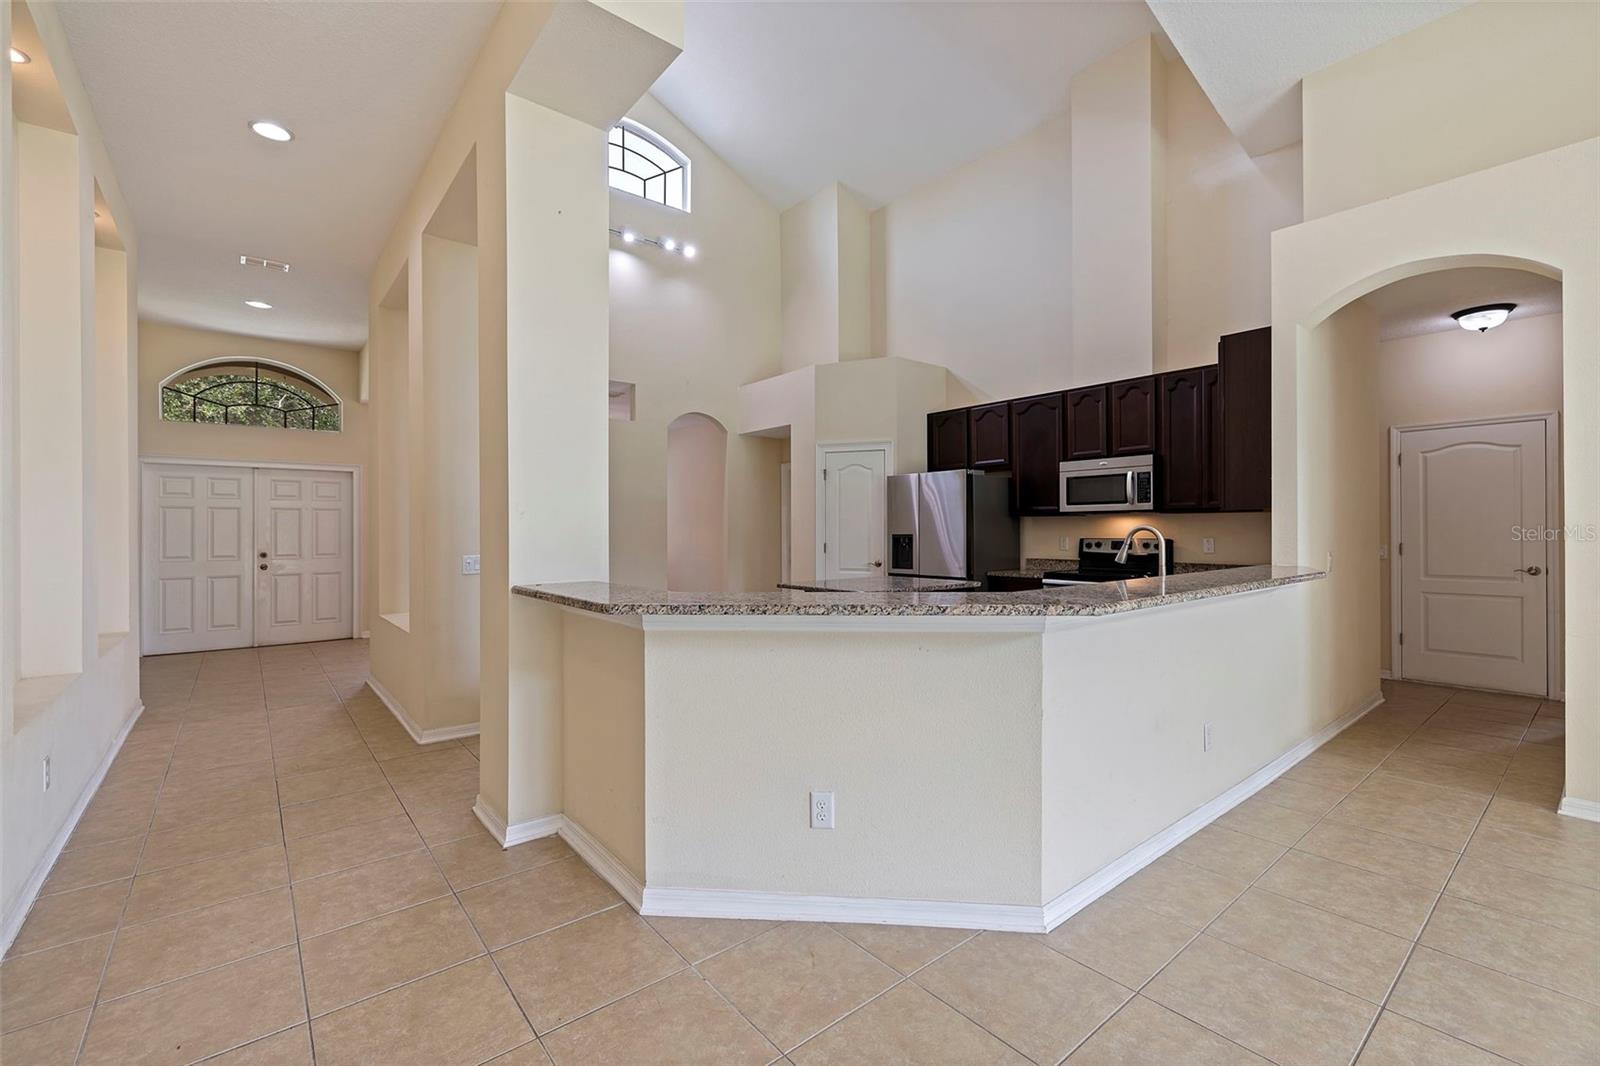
{"x":1473,"y":514}
{"x":852,"y":497}
{"x":238,"y":556}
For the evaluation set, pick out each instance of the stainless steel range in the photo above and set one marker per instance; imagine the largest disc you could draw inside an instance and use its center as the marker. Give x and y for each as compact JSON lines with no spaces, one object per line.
{"x":1097,"y":561}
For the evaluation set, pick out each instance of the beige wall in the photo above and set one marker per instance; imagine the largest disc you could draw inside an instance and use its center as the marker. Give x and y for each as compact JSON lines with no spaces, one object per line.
{"x":1453,"y":376}
{"x":166,"y":348}
{"x":602,"y":734}
{"x":1117,"y":109}
{"x":76,"y":719}
{"x":697,"y":506}
{"x":1222,"y":206}
{"x":687,"y":334}
{"x":1485,"y":85}
{"x":973,"y":271}
{"x":1483,"y":219}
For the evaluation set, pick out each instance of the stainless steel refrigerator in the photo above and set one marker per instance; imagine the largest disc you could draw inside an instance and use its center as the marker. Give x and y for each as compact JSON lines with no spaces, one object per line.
{"x":952,"y":523}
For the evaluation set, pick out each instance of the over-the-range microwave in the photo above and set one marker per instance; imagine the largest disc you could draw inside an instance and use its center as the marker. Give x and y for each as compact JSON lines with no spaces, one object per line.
{"x":1120,"y":483}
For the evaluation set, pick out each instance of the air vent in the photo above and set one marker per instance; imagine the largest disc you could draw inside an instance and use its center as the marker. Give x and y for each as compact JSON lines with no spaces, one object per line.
{"x":267,"y":264}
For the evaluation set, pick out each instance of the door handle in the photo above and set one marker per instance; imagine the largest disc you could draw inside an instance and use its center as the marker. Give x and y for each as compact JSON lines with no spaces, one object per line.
{"x":1531,"y":571}
{"x":877,"y":562}
{"x":263,"y":555}
{"x":263,"y":566}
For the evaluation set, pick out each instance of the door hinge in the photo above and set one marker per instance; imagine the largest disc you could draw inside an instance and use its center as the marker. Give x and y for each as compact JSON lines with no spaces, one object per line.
{"x":824,"y":547}
{"x":1399,"y":458}
{"x":1402,"y":547}
{"x":824,"y":473}
{"x":1402,"y":639}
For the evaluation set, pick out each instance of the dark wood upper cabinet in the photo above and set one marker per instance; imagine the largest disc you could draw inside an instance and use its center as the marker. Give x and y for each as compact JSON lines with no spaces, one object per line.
{"x":989,"y":436}
{"x":1245,"y":362}
{"x":1036,"y":434}
{"x":1087,"y":425}
{"x":1186,"y":426}
{"x":1133,"y":416}
{"x":947,"y":440}
{"x":1215,"y":414}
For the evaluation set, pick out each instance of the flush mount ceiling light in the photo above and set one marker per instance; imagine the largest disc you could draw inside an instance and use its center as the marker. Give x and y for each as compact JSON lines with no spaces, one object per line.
{"x":267,"y":264}
{"x":18,"y":56}
{"x":1484,"y":318}
{"x":259,"y":305}
{"x":271,"y":130}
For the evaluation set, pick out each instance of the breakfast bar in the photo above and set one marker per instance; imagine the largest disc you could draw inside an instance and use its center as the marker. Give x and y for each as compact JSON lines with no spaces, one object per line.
{"x":1053,"y":741}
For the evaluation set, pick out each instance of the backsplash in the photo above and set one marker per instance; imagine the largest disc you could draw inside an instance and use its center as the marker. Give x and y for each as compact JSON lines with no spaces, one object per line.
{"x":1240,"y":538}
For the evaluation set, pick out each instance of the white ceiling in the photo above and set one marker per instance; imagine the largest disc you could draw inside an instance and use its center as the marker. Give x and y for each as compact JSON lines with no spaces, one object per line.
{"x":365,"y":88}
{"x":1249,"y":57}
{"x":879,"y":96}
{"x":1423,"y":304}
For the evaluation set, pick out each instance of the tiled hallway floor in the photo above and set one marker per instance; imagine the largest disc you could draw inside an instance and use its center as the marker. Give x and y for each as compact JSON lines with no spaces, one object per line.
{"x":272,"y":866}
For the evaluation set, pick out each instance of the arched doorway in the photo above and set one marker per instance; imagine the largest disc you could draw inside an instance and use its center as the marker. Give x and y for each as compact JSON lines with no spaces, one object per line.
{"x":697,"y":462}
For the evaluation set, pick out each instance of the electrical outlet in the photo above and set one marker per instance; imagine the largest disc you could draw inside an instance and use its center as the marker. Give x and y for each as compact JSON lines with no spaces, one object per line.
{"x":1205,"y":737}
{"x":1208,"y":545}
{"x":1067,"y":543}
{"x":47,"y":773}
{"x":822,"y":810}
{"x":1383,"y":551}
{"x":472,"y":564}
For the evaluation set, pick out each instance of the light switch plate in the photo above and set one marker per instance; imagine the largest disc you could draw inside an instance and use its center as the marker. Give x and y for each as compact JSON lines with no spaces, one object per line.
{"x":1209,"y":545}
{"x":471,"y":564}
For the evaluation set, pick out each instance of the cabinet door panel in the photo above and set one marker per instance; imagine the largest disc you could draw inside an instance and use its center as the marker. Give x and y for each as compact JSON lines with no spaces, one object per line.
{"x":1036,"y":454}
{"x":1184,"y":423}
{"x":1086,"y":430}
{"x":1133,"y":416}
{"x":947,"y":440}
{"x":1211,"y":389}
{"x":1245,"y":362}
{"x":989,"y":436}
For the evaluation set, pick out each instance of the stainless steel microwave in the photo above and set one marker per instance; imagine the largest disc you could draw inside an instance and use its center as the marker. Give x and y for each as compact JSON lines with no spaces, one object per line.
{"x":1121,"y":483}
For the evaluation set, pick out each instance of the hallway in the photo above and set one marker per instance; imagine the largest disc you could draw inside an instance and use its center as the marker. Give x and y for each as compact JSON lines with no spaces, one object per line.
{"x":271,"y":846}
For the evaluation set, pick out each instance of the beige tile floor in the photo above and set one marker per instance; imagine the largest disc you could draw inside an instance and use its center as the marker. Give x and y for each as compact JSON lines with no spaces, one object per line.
{"x":274,"y":873}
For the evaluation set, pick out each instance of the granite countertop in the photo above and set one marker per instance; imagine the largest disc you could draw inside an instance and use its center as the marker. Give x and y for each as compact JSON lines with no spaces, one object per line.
{"x":885,"y":583}
{"x":1112,"y":597}
{"x":1039,"y":567}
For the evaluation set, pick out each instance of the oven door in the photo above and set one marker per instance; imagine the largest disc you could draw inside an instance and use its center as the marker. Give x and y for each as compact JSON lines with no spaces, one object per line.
{"x":1099,"y":490}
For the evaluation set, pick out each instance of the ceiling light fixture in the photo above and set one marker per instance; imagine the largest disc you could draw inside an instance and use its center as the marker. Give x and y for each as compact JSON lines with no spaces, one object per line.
{"x":271,"y":130}
{"x":19,"y":57}
{"x":1484,"y":318}
{"x":669,"y":244}
{"x":268,"y":264}
{"x":688,"y":251}
{"x":259,"y":305}
{"x":666,"y":244}
{"x":628,"y":236}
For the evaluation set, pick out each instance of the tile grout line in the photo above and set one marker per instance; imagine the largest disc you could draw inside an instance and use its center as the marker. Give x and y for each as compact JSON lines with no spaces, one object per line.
{"x":116,"y":932}
{"x":1251,"y":884}
{"x":294,"y":910}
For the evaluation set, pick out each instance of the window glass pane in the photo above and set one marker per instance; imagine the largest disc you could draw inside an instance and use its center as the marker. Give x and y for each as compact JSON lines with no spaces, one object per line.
{"x":662,"y":160}
{"x":627,"y":183}
{"x":299,"y":419}
{"x":613,"y":156}
{"x":209,"y":412}
{"x":249,"y":394}
{"x":616,"y":135}
{"x":674,"y":197}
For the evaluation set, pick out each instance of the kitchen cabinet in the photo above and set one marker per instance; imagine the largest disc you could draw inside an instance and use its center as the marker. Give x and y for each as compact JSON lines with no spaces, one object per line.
{"x":1086,"y":424}
{"x":1190,"y":410}
{"x":1036,"y":437}
{"x":1132,"y":410}
{"x":989,"y":436}
{"x":1244,"y":361}
{"x":947,"y":440}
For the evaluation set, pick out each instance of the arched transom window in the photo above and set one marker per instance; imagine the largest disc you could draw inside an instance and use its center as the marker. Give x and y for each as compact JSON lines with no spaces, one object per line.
{"x":646,"y":164}
{"x":248,"y":392}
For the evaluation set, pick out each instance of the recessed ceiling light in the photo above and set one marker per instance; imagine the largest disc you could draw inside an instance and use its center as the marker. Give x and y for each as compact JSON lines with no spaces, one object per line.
{"x":1484,"y":318}
{"x":19,"y":57}
{"x":259,"y":305}
{"x":271,"y":130}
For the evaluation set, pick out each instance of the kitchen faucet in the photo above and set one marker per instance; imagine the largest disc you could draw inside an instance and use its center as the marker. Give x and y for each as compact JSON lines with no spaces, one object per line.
{"x":1161,"y":549}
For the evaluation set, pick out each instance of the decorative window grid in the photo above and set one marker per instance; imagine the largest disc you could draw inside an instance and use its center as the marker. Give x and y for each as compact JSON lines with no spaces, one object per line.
{"x":647,"y":165}
{"x":233,"y":392}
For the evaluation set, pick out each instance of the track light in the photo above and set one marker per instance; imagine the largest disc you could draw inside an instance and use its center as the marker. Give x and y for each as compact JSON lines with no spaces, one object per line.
{"x":670,"y":245}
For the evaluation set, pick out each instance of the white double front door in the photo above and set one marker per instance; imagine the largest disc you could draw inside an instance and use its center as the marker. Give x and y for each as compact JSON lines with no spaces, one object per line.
{"x":241,"y":556}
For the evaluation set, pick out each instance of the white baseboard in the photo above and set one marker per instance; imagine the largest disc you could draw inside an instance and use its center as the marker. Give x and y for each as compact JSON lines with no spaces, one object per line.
{"x":12,"y":924}
{"x":418,"y":734}
{"x":1386,"y":675}
{"x":780,"y":906}
{"x":597,"y":855}
{"x":1588,"y":810}
{"x":1137,"y":858}
{"x":604,"y":863}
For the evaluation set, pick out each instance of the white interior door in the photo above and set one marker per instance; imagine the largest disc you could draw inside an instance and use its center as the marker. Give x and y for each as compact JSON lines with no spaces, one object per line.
{"x":854,"y":494}
{"x":197,"y":533}
{"x":1473,"y":591}
{"x":304,"y":538}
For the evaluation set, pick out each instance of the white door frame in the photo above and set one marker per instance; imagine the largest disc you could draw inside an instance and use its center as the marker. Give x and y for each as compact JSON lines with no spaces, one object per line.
{"x":355,"y":514}
{"x":820,"y":534}
{"x":1553,"y":679}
